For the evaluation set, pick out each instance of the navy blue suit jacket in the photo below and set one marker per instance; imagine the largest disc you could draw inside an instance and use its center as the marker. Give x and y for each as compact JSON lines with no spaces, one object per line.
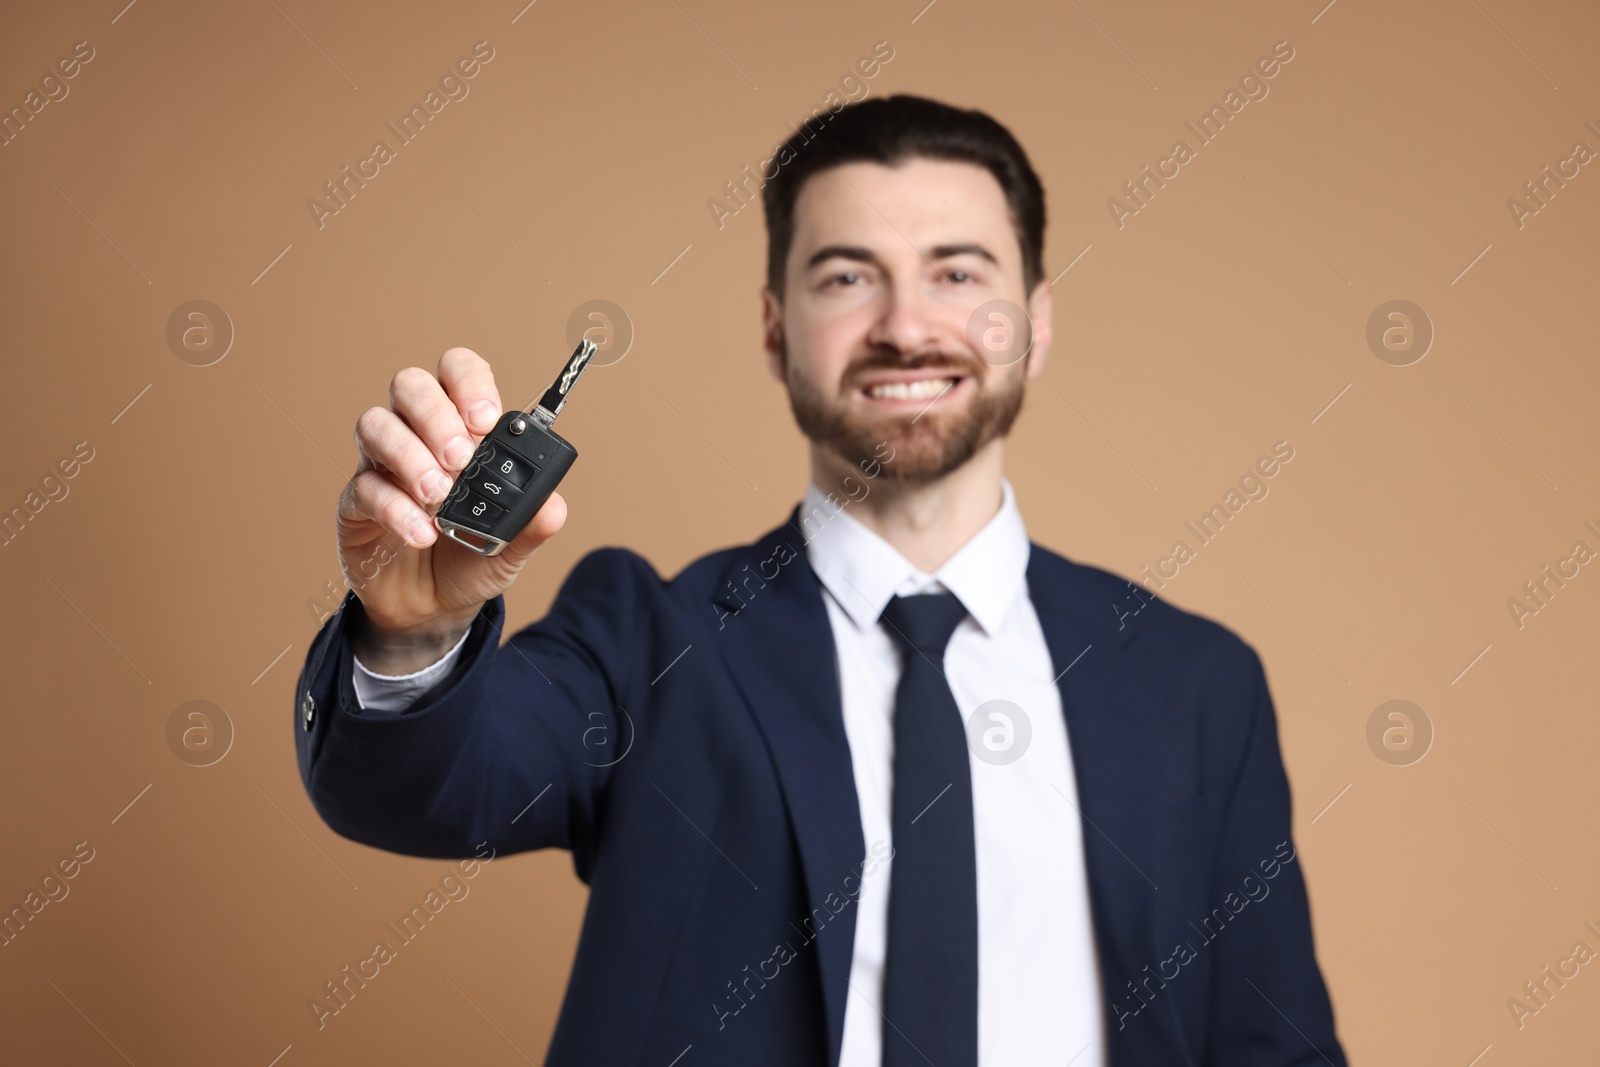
{"x":684,"y":740}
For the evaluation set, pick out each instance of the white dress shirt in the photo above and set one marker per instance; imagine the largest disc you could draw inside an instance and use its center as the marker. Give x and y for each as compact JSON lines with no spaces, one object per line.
{"x":1039,"y":995}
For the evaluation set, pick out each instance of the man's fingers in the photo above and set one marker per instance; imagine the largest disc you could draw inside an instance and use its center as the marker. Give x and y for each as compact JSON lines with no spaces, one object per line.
{"x":374,"y":496}
{"x":421,"y":401}
{"x":390,"y":443}
{"x":467,"y":379}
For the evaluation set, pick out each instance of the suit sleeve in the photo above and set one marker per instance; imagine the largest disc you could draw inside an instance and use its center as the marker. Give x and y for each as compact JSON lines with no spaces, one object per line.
{"x":508,"y":749}
{"x":1269,"y":1004}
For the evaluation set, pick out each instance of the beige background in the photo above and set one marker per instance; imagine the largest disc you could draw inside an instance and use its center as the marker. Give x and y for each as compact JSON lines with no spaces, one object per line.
{"x":1225,"y":316}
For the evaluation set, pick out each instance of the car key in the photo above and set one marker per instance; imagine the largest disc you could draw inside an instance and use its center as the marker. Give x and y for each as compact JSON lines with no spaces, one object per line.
{"x":515,"y":469}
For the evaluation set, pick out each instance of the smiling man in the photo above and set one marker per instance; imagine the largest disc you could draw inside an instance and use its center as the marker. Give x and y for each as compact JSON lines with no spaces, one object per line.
{"x":891,"y":784}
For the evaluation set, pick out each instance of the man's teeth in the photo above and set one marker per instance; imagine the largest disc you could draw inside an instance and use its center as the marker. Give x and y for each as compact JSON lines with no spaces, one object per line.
{"x":924,"y":389}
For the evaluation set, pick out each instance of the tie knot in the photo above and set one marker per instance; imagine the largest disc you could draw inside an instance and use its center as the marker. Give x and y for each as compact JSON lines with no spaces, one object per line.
{"x":925,"y":621}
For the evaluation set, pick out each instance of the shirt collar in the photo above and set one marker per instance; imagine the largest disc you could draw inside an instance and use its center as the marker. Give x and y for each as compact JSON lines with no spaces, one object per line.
{"x":862,"y":571}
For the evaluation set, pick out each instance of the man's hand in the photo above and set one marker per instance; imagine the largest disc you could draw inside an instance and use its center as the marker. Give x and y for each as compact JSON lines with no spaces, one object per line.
{"x":422,"y":591}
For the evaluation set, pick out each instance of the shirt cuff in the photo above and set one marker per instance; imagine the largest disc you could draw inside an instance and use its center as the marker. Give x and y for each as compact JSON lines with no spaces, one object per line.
{"x":396,"y":692}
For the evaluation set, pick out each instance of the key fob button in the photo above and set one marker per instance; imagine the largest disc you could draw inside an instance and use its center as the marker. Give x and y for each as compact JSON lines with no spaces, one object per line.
{"x":509,"y":469}
{"x":492,"y":489}
{"x":479,"y":512}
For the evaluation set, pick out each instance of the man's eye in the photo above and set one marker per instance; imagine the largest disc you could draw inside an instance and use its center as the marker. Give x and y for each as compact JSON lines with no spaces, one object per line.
{"x":957,"y":276}
{"x":847,"y":274}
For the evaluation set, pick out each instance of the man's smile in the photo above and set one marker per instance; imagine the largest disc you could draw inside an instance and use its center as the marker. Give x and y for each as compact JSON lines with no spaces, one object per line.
{"x":898,"y":388}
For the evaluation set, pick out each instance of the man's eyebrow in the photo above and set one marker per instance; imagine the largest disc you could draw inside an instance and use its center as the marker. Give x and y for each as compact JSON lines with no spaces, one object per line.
{"x":968,"y":248}
{"x":864,"y":255}
{"x":853,"y":252}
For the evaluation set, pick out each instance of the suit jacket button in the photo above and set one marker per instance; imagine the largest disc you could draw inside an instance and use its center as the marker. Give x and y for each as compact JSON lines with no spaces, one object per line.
{"x":309,"y":709}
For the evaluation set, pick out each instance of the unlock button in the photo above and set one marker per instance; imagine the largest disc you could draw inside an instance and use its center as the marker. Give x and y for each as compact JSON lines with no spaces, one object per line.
{"x":477,"y":511}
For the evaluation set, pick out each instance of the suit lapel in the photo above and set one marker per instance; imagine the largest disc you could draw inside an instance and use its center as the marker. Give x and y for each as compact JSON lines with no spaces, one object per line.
{"x":1111,"y":724}
{"x":777,"y":644}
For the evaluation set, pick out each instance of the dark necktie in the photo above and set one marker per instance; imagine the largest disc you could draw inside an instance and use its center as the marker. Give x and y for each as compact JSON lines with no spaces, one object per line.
{"x":930,"y":984}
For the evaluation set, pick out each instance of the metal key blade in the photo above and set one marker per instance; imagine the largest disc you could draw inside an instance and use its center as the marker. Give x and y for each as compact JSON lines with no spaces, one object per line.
{"x":550,"y":404}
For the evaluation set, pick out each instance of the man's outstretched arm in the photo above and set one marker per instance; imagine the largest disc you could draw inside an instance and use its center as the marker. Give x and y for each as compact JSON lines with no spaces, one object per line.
{"x":500,"y":749}
{"x":460,"y":767}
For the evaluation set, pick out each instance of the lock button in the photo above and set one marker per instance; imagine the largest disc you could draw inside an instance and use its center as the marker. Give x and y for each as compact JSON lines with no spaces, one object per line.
{"x":509,"y":469}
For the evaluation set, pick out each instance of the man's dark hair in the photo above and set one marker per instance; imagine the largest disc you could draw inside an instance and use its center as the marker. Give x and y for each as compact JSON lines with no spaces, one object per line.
{"x":893,"y":129}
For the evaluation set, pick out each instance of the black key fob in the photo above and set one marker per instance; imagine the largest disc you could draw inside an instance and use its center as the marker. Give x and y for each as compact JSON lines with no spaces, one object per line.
{"x":515,"y":469}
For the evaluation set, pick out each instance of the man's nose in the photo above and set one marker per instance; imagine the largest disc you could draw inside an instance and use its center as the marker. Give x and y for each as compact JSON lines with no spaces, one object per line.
{"x":902,"y":322}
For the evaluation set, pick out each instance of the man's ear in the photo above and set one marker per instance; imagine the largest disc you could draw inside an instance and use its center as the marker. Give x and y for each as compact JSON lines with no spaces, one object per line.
{"x":1039,"y":314}
{"x":772,"y":333}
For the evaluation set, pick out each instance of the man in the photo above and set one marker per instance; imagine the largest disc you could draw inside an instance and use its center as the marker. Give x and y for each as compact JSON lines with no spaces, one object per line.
{"x":889,"y":785}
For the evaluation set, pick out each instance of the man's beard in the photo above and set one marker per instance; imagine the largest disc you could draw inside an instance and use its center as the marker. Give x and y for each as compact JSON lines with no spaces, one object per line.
{"x":925,"y":447}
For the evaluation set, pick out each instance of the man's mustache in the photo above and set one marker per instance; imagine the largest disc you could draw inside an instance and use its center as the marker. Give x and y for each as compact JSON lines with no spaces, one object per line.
{"x":955,"y":363}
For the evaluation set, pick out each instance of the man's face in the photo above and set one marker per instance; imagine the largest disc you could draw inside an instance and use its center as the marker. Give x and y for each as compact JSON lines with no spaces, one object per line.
{"x":875,"y":334}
